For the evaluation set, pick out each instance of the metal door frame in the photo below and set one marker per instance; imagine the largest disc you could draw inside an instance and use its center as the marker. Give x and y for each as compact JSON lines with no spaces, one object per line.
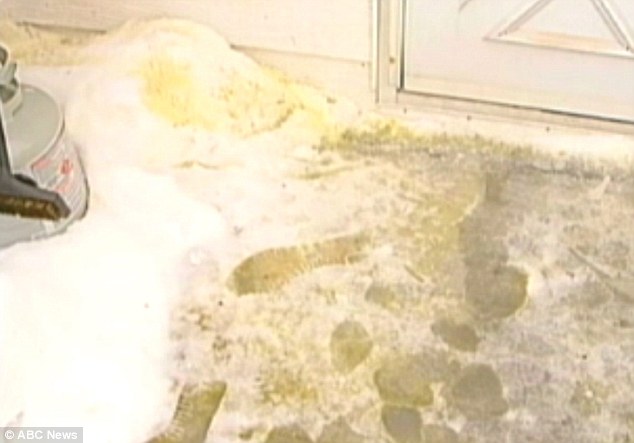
{"x":388,"y":78}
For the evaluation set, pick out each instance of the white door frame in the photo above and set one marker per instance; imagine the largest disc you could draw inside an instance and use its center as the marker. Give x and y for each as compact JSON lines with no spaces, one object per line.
{"x":388,"y":82}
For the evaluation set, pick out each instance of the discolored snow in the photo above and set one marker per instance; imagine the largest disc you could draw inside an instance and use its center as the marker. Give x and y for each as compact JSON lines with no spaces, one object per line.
{"x":402,"y":424}
{"x":350,"y":345}
{"x":477,"y":393}
{"x":288,"y":434}
{"x":340,"y":431}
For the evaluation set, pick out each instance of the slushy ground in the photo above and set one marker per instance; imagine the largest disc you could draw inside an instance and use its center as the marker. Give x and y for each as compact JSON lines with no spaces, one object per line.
{"x":320,"y":274}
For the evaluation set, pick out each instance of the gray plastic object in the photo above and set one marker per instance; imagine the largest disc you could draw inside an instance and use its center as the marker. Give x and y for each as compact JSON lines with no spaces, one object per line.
{"x":38,"y":151}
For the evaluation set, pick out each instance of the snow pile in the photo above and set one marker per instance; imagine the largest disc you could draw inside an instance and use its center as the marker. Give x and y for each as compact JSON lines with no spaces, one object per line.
{"x":191,"y":78}
{"x":186,"y":144}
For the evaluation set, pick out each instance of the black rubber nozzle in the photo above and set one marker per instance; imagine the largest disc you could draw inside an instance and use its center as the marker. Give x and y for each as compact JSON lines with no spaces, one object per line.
{"x":22,"y":197}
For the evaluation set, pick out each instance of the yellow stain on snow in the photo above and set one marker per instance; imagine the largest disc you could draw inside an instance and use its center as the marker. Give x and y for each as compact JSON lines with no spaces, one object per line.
{"x":435,"y":225}
{"x":244,"y":105}
{"x":171,"y":92}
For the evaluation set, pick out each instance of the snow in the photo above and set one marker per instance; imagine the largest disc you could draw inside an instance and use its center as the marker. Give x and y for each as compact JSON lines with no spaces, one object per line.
{"x":199,"y":158}
{"x":84,"y":317}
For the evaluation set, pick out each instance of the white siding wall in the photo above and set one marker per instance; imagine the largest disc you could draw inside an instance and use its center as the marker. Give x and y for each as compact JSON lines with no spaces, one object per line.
{"x":328,"y":42}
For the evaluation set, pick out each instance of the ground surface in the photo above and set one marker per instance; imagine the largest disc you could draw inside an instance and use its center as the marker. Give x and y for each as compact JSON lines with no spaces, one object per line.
{"x":490,"y":300}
